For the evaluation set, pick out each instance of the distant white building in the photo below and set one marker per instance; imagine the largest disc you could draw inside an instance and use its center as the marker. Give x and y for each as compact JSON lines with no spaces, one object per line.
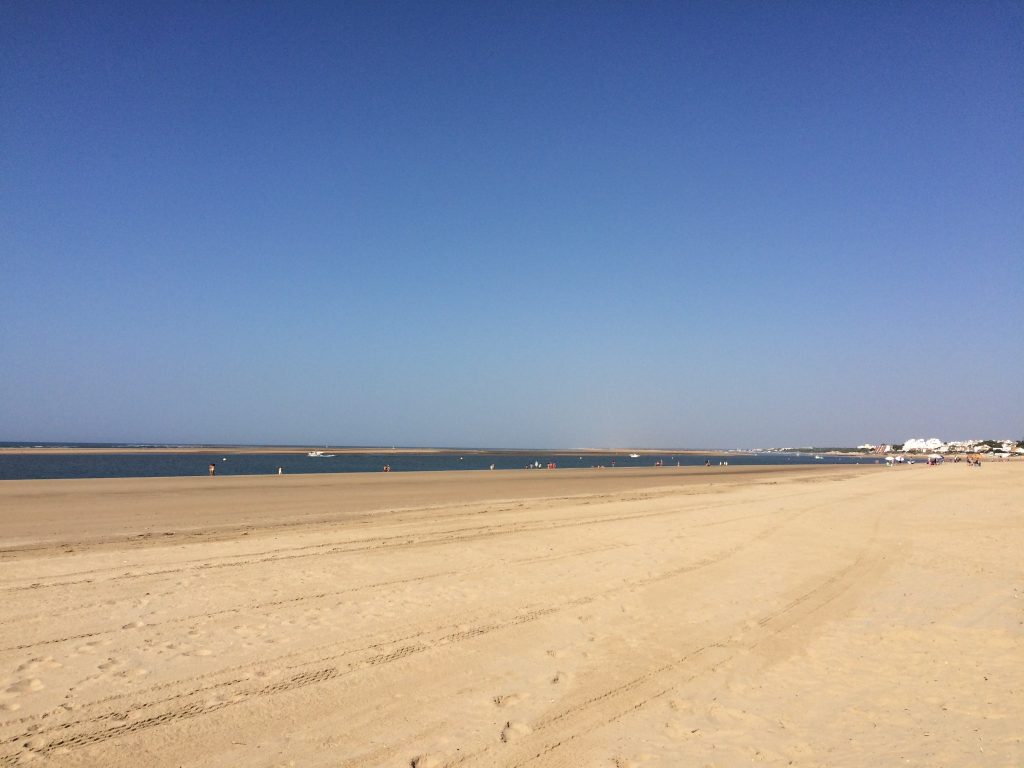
{"x":961,"y":446}
{"x":934,"y":445}
{"x":920,"y":445}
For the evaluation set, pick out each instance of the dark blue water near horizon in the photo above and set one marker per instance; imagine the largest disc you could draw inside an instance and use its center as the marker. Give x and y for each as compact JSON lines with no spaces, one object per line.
{"x":155,"y":464}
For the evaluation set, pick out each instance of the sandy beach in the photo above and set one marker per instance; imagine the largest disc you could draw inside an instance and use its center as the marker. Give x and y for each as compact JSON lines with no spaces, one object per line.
{"x":642,"y":618}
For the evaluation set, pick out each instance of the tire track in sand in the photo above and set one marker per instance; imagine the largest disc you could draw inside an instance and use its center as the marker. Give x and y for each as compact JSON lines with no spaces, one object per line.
{"x":111,"y":724}
{"x":405,"y":541}
{"x":465,"y":533}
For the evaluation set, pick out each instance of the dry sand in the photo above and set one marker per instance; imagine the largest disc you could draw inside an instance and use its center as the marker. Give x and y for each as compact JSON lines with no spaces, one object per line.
{"x":827,"y":616}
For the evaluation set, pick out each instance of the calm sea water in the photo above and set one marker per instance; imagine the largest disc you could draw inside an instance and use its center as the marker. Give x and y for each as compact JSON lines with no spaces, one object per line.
{"x":56,"y":466}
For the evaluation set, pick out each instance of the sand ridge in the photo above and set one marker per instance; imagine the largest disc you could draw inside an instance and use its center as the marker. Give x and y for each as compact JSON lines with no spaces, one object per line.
{"x":822,"y":616}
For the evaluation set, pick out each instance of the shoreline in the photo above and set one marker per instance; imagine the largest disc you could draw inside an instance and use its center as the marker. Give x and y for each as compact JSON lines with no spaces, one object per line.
{"x":139,"y":507}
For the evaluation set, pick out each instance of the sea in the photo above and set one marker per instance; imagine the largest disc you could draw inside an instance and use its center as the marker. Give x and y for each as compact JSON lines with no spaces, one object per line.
{"x":154,"y":463}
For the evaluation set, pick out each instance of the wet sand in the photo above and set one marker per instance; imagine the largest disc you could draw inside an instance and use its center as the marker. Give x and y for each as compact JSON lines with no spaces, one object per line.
{"x":635,"y":617}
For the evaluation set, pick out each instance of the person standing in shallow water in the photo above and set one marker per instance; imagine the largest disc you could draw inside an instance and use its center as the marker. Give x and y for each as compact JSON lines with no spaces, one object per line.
{"x":213,"y":469}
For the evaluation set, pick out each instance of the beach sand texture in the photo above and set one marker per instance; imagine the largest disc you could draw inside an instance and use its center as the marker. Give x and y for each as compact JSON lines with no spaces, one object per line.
{"x":814,"y":616}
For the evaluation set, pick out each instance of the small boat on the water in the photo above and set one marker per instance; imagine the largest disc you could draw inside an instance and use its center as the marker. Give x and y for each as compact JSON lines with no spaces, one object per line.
{"x":320,"y":455}
{"x":634,"y":455}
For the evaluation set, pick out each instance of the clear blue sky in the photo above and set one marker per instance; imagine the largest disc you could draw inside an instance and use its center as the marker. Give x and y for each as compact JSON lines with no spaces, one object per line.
{"x":511,"y":224}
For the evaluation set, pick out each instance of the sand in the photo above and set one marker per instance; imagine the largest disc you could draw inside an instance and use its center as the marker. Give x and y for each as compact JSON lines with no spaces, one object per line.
{"x":820,"y":616}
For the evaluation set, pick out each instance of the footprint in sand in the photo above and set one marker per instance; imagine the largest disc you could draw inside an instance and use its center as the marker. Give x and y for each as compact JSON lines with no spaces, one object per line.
{"x":110,"y":665}
{"x":509,"y":699}
{"x":680,"y":705}
{"x":44,"y":662}
{"x":635,"y":762}
{"x":28,"y":685}
{"x":561,"y":678}
{"x":513,"y":731}
{"x":425,"y":761}
{"x":10,"y":694}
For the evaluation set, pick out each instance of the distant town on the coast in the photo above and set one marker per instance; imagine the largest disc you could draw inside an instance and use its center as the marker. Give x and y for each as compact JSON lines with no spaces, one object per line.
{"x":997,"y":448}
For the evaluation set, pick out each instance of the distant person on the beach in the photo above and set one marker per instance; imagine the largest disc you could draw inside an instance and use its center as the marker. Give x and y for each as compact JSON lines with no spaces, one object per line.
{"x":280,"y":470}
{"x":213,"y":469}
